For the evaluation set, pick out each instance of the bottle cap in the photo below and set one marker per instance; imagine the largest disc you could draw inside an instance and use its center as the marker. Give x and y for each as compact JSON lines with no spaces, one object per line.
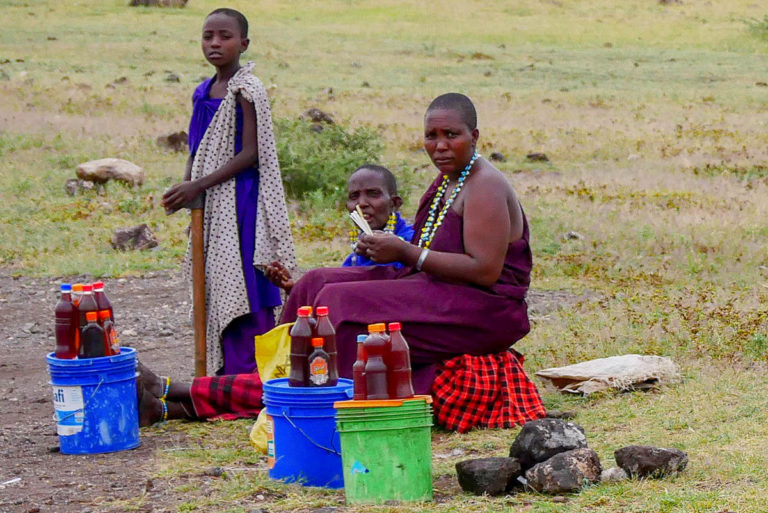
{"x":395,"y":326}
{"x":103,"y":314}
{"x":310,"y":309}
{"x":361,"y":338}
{"x":304,"y":311}
{"x":87,"y":287}
{"x":66,"y":287}
{"x":98,"y":285}
{"x":90,"y":316}
{"x":377,"y":328}
{"x":77,"y":287}
{"x":322,"y":310}
{"x":317,"y":342}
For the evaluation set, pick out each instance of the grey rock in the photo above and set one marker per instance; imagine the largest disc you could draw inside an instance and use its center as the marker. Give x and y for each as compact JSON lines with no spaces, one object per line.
{"x":561,"y":414}
{"x":613,"y":475}
{"x":498,"y":157}
{"x":317,"y":116}
{"x":565,"y":472}
{"x":103,"y":170}
{"x":73,"y":186}
{"x":138,"y":237}
{"x":648,"y":461}
{"x":176,"y":141}
{"x":537,"y":156}
{"x":541,"y":439}
{"x":491,"y":476}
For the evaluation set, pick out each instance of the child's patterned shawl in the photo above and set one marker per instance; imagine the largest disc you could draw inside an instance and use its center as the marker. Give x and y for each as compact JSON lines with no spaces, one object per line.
{"x":225,"y":291}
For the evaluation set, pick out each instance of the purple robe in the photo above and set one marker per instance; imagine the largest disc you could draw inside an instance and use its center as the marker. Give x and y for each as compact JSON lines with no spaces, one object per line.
{"x":440,"y":319}
{"x":237,"y":339}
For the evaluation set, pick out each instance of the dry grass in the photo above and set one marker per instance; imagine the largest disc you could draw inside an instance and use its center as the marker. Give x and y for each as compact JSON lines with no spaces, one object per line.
{"x":652,"y":117}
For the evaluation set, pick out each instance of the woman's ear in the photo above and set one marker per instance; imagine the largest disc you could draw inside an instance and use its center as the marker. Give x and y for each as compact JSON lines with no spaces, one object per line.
{"x":397,"y":202}
{"x":475,"y":136}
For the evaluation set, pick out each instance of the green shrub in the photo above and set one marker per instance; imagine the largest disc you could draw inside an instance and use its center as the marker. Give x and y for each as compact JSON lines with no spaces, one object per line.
{"x":759,"y":27}
{"x":319,"y":162}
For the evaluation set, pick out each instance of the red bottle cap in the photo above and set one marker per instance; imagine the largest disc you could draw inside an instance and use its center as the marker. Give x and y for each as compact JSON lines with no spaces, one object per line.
{"x":304,"y":311}
{"x":103,"y":315}
{"x":317,"y":342}
{"x":395,"y":326}
{"x":377,"y":328}
{"x":322,"y":310}
{"x":98,"y":285}
{"x":90,"y":316}
{"x":87,"y":288}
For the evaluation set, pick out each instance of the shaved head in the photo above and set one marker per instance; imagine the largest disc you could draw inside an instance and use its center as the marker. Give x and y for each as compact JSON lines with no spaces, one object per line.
{"x":458,"y":103}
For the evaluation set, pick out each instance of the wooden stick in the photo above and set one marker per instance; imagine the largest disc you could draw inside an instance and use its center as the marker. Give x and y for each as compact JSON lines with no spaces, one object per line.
{"x":198,"y":290}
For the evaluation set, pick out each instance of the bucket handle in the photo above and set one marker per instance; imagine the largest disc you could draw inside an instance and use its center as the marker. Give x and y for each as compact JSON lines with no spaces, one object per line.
{"x":297,"y":428}
{"x":85,"y":405}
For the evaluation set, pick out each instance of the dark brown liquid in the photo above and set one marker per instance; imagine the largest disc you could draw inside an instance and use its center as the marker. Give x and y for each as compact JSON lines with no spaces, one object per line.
{"x":375,"y":367}
{"x":328,"y":334}
{"x":92,"y":341}
{"x":301,"y":338}
{"x":399,"y":382}
{"x":66,"y":328}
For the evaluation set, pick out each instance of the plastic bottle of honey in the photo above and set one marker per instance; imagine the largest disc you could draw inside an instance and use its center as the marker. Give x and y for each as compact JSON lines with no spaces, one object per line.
{"x":92,"y":340}
{"x":328,"y":334}
{"x":87,"y":304}
{"x":66,"y":324}
{"x":110,"y":333}
{"x":102,"y":301}
{"x":301,"y":339}
{"x":399,"y":381}
{"x":358,"y":371}
{"x":319,"y":365}
{"x":375,"y":366}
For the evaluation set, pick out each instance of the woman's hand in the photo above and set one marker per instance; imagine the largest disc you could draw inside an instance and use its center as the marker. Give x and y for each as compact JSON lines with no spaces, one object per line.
{"x":382,"y":247}
{"x":180,"y":195}
{"x":279,"y":276}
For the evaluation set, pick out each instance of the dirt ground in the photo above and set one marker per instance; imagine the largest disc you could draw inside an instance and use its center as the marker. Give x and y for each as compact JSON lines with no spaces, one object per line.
{"x":152,"y":314}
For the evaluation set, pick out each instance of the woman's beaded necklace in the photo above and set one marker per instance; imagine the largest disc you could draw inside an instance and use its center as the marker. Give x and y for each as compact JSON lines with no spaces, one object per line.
{"x":435,"y":219}
{"x":354,"y":234}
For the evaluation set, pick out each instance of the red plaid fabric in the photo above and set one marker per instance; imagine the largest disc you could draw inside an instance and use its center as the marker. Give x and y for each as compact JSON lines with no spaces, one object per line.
{"x":227,"y":397}
{"x":489,"y":391}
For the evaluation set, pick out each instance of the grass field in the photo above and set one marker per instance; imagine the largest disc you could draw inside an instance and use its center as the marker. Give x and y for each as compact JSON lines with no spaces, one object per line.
{"x":654,"y":120}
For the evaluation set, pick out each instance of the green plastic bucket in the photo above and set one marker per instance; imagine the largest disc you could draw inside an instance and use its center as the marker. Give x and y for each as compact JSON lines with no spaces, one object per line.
{"x":386,"y":453}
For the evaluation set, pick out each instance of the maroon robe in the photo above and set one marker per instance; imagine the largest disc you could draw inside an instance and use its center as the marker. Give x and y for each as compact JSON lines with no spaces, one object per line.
{"x":440,"y":319}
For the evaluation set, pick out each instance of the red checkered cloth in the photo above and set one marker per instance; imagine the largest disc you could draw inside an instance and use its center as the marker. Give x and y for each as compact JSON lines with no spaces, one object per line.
{"x":227,"y":397}
{"x":488,"y":391}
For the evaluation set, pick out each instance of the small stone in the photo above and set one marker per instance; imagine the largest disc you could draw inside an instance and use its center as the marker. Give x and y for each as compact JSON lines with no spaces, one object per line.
{"x":139,"y":237}
{"x":365,"y":84}
{"x":613,"y":475}
{"x":571,"y":235}
{"x":214,"y":471}
{"x":149,"y":485}
{"x":560,"y":499}
{"x":129,"y":332}
{"x":537,"y":157}
{"x":176,"y":141}
{"x":565,"y":472}
{"x":491,"y":476}
{"x":317,"y":116}
{"x":558,"y":414}
{"x":103,"y":170}
{"x":648,"y":461}
{"x":172,"y":77}
{"x":498,"y":157}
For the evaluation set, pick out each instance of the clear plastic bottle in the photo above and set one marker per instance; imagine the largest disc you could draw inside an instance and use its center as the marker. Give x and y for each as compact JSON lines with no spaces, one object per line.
{"x":92,"y":340}
{"x":328,"y":334}
{"x":319,"y":365}
{"x":399,"y":381}
{"x":301,"y":346}
{"x":102,"y":301}
{"x":110,"y":333}
{"x":66,"y":324}
{"x":358,"y":371}
{"x":375,"y":366}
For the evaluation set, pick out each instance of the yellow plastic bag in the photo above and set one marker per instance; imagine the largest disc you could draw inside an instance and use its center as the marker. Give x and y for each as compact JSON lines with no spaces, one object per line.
{"x":273,"y":360}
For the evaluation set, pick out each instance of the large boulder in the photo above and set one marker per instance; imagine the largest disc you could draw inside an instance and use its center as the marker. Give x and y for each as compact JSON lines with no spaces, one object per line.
{"x":565,"y":472}
{"x":541,"y":439}
{"x":103,"y":170}
{"x":648,"y":461}
{"x":491,"y":476}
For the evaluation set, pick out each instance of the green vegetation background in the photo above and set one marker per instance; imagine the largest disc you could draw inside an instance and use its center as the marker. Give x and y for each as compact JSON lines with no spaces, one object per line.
{"x":653,"y":117}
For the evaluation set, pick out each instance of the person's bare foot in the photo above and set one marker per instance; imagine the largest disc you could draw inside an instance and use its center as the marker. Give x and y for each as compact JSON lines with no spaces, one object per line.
{"x":150,"y":409}
{"x":151,"y":382}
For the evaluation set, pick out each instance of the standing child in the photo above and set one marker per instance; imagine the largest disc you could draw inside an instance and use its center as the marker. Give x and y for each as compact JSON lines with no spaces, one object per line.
{"x":234,"y":160}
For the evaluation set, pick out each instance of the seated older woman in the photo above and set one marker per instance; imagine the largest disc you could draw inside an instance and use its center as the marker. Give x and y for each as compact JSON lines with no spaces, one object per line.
{"x":461,"y":295}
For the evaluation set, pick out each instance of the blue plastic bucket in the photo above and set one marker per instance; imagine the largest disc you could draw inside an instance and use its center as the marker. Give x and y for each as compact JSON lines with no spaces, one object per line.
{"x":302,"y":442}
{"x":95,"y":401}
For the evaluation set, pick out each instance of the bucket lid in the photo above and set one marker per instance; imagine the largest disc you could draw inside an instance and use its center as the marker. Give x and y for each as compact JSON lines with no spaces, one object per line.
{"x":280,"y":389}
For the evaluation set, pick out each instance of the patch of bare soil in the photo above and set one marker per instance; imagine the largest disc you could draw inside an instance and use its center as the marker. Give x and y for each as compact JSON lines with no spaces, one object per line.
{"x":152,"y":314}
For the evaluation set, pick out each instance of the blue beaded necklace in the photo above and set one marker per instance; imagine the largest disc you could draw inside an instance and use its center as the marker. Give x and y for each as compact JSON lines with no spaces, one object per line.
{"x":432,"y":224}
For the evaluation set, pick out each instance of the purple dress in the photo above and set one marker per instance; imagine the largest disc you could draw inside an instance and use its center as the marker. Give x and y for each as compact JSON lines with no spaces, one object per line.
{"x":440,"y":319}
{"x":237,"y":339}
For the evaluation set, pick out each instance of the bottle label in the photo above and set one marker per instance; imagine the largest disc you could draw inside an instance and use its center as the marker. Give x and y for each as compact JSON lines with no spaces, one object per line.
{"x":318,"y":371}
{"x":269,"y":427}
{"x":70,"y":415}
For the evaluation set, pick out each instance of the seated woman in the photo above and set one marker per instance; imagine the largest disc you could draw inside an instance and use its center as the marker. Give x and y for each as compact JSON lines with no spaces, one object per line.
{"x":374,"y":189}
{"x":467,"y":270}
